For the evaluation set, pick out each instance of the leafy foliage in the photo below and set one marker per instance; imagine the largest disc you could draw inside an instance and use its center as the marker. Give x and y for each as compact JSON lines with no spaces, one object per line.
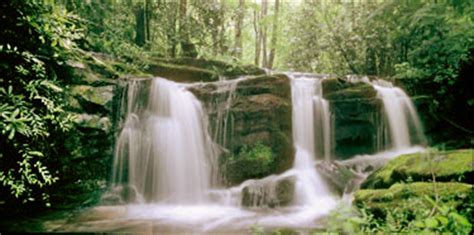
{"x":439,"y":218}
{"x":36,"y":39}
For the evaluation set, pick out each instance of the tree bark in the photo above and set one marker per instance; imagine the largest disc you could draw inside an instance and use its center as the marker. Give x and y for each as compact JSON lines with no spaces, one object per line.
{"x":148,"y":15}
{"x":264,"y":33}
{"x":187,"y":48}
{"x":238,"y":50}
{"x":273,"y":45}
{"x":256,"y":29}
{"x":140,"y":34}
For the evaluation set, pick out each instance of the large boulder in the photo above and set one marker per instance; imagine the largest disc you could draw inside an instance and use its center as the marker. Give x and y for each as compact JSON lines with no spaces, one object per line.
{"x":272,"y":192}
{"x":248,"y":112}
{"x":455,"y":165}
{"x":90,"y":99}
{"x":357,"y":116}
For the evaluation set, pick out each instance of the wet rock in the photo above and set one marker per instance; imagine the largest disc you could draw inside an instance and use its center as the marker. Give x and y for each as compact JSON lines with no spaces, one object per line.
{"x":357,"y":117}
{"x":345,"y":179}
{"x":119,"y":195}
{"x":246,"y":112}
{"x":271,"y":192}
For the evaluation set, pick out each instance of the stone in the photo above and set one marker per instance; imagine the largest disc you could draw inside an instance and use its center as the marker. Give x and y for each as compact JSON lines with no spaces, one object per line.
{"x":272,"y":191}
{"x":454,"y":165}
{"x":258,"y":110}
{"x":221,"y":68}
{"x":380,"y":201}
{"x":96,"y":100}
{"x":93,"y":121}
{"x":356,"y":113}
{"x":182,"y":73}
{"x":342,"y":177}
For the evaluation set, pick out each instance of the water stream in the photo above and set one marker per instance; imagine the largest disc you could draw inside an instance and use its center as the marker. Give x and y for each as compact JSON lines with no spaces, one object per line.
{"x":165,"y":158}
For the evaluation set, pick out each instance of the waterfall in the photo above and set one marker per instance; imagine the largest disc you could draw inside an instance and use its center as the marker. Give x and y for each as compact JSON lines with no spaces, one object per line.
{"x":164,"y":147}
{"x":165,"y":153}
{"x":404,"y":125}
{"x":311,"y":120}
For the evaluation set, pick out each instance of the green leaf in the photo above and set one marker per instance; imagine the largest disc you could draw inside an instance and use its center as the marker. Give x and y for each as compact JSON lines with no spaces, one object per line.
{"x":36,"y":153}
{"x":431,"y":222}
{"x":460,"y":219}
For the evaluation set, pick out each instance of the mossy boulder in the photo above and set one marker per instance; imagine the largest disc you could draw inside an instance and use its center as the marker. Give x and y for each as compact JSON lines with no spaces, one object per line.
{"x":270,"y":192}
{"x":182,"y":73}
{"x":90,"y":99}
{"x":97,"y":69}
{"x":412,"y":196}
{"x":244,"y":112}
{"x":219,"y":67}
{"x":356,"y":111}
{"x":198,"y":70}
{"x":455,"y":165}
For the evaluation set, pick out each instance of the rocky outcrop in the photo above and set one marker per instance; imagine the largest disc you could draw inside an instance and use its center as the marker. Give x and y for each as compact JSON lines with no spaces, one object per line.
{"x":270,"y":192}
{"x":456,"y":165}
{"x":85,"y":170}
{"x":342,"y":177}
{"x":246,"y":112}
{"x":198,"y":70}
{"x":382,"y":201}
{"x":356,"y":113}
{"x":426,"y":179}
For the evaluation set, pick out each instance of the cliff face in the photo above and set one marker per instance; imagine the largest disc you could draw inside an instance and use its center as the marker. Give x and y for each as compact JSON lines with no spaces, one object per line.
{"x":250,"y":117}
{"x":357,"y":119}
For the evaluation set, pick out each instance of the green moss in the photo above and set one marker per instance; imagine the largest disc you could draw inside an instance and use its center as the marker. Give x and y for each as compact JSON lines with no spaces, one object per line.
{"x":215,"y":66}
{"x":356,"y":91}
{"x":182,"y":73}
{"x":252,"y":161}
{"x":403,"y":196}
{"x":456,"y":165}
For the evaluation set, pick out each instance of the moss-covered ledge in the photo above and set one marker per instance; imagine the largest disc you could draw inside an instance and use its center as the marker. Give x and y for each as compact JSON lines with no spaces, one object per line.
{"x":404,"y":196}
{"x":190,"y":70}
{"x":455,"y":165}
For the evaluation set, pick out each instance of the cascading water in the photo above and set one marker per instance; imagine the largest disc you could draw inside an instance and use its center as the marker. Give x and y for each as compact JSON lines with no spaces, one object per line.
{"x":164,"y":147}
{"x":165,"y":154}
{"x":404,"y":125}
{"x":401,"y":116}
{"x":310,"y":120}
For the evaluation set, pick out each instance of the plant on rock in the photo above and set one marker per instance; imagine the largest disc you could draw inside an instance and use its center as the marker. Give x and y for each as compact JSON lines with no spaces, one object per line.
{"x":252,"y":161}
{"x":34,"y":46}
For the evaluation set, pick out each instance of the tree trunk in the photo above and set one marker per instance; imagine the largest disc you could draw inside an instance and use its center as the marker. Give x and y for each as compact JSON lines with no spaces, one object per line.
{"x":171,"y":33}
{"x":140,"y":34}
{"x":256,"y":17}
{"x":148,"y":15}
{"x":264,"y":33}
{"x":273,"y":45}
{"x":187,"y":48}
{"x":222,"y":28}
{"x":238,"y":50}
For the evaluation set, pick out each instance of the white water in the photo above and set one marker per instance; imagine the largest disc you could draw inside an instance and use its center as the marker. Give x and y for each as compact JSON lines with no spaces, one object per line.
{"x":165,"y":147}
{"x":405,"y":129}
{"x":165,"y":152}
{"x":401,"y":115}
{"x":310,"y":120}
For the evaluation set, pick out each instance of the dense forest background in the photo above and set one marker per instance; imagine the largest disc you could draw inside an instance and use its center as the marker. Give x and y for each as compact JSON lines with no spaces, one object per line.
{"x":426,"y":46}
